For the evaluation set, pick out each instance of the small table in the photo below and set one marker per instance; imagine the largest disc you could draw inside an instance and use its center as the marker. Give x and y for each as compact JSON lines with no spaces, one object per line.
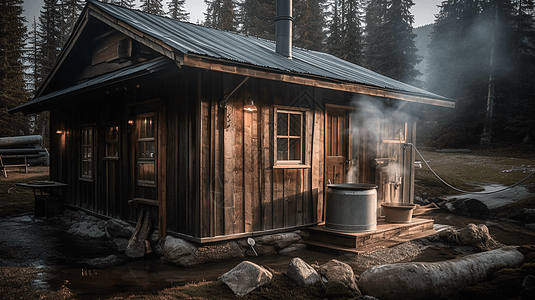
{"x":47,"y":202}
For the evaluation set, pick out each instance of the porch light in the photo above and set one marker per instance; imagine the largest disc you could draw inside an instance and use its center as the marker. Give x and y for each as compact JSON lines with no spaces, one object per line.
{"x":249,"y":105}
{"x":59,"y":131}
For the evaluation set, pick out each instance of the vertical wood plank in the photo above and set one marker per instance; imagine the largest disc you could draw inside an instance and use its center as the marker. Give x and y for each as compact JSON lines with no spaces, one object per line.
{"x":266,"y":166}
{"x":248,"y":171}
{"x":278,"y":198}
{"x":257,"y":203}
{"x":162,"y":176}
{"x":206,"y":210}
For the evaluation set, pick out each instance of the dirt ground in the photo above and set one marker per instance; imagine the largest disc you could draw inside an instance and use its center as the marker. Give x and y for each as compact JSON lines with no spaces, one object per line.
{"x":464,"y":170}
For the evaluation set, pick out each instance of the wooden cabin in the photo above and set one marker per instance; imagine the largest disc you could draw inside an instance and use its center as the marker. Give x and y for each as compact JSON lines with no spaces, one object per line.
{"x":217,"y":134}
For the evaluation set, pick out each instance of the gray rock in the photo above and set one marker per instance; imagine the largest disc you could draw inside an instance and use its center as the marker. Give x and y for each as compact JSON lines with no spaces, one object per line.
{"x":103,"y":262}
{"x":135,"y":250}
{"x":294,"y":247}
{"x":478,"y":236}
{"x":119,"y":228}
{"x":528,"y":287}
{"x":120,"y":244}
{"x":280,"y":240}
{"x":217,"y":252}
{"x":178,"y":251}
{"x":87,"y":229}
{"x":340,"y":279}
{"x":154,"y":236}
{"x":246,"y":277}
{"x":302,"y":273}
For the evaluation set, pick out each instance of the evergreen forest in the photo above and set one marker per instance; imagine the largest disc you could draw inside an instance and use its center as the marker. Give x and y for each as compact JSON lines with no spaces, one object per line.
{"x":481,"y":53}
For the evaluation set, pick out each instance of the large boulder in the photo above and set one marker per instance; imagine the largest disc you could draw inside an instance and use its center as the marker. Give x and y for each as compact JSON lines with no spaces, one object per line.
{"x":245,"y":277}
{"x":119,"y":228}
{"x":88,"y":229}
{"x":340,"y":279}
{"x":421,"y":280}
{"x":178,"y":251}
{"x":302,"y":273}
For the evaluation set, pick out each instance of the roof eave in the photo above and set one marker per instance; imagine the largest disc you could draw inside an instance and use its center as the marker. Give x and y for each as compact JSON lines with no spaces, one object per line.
{"x":220,"y":65}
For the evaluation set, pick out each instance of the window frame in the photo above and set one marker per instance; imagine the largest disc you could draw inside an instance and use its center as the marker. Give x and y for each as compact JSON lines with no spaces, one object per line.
{"x":144,"y":160}
{"x":87,"y":161}
{"x":290,"y":111}
{"x":115,"y":142}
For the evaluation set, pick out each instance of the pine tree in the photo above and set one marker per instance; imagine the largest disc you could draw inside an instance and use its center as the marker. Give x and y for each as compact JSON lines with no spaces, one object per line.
{"x":352,"y":31}
{"x":333,"y":43}
{"x":221,"y":14}
{"x":390,"y":48}
{"x":308,"y":24}
{"x":70,"y":10}
{"x":345,"y":34}
{"x":177,"y":11}
{"x":257,"y":18}
{"x":12,"y":84}
{"x":50,"y":22}
{"x":152,"y":7}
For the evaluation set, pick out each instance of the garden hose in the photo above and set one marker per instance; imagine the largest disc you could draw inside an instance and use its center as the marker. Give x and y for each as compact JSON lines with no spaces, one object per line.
{"x":462,"y":191}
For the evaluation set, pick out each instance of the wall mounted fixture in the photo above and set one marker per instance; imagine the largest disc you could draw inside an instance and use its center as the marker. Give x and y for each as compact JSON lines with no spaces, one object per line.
{"x":249,"y":105}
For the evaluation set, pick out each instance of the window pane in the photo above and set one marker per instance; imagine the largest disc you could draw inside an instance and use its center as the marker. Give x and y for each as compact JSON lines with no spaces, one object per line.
{"x":282,"y":149}
{"x":282,"y":124}
{"x":295,"y":149}
{"x":295,"y":124}
{"x":146,"y":171}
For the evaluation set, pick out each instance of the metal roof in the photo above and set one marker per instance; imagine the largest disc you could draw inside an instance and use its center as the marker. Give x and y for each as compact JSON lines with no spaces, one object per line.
{"x":190,"y":38}
{"x":150,"y":67}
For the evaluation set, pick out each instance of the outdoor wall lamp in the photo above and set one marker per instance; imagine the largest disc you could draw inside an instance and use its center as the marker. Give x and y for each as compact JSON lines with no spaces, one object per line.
{"x":249,"y":105}
{"x":60,"y":131}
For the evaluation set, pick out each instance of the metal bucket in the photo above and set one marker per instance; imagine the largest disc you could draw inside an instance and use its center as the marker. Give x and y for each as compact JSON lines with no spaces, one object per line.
{"x":351,"y":207}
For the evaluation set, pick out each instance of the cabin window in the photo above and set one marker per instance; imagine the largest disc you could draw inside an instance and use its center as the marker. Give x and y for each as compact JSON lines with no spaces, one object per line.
{"x":289,"y":126}
{"x":146,"y":150}
{"x":87,"y":152}
{"x":111,"y":139}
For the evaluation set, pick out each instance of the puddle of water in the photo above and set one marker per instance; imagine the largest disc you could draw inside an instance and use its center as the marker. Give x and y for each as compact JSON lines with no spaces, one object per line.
{"x":153,"y":274}
{"x":498,"y":199}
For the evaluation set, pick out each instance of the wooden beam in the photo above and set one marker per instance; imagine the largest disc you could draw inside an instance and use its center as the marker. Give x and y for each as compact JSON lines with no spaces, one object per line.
{"x":244,"y":70}
{"x":133,"y":33}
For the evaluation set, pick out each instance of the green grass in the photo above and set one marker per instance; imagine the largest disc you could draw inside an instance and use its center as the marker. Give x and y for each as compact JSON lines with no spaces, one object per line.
{"x":14,"y":199}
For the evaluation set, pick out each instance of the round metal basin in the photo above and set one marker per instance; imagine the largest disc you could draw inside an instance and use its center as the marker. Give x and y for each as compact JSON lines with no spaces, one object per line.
{"x":351,"y":207}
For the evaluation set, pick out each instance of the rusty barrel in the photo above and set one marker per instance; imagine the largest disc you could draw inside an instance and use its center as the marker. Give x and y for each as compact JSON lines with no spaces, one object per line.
{"x":351,"y":207}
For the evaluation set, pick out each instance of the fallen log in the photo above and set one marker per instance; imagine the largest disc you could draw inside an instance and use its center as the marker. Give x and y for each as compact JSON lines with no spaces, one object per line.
{"x":420,"y":280}
{"x":20,"y":151}
{"x":16,"y":141}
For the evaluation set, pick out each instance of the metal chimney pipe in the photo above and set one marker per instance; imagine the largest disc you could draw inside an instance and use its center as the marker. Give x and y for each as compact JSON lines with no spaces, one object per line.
{"x":283,"y":28}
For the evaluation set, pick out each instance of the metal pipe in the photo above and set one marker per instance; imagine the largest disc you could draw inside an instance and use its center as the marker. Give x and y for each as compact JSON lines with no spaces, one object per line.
{"x":283,"y":28}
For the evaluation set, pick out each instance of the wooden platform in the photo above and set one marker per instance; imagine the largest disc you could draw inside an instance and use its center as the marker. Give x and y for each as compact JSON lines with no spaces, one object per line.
{"x":386,"y":235}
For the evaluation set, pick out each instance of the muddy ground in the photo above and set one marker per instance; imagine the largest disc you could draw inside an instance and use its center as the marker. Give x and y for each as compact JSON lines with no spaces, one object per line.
{"x":38,"y":260}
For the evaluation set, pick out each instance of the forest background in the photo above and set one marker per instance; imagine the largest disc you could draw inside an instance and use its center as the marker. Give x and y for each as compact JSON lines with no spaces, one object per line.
{"x":481,"y":53}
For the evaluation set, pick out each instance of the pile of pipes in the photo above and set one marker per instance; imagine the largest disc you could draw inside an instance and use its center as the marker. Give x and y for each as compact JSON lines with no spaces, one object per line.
{"x":13,"y":150}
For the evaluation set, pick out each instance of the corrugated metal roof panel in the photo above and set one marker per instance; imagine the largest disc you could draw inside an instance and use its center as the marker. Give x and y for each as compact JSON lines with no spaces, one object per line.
{"x":196,"y":39}
{"x":102,"y":80}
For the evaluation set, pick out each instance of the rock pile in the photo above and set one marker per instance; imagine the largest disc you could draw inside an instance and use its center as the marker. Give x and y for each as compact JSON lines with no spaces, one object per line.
{"x":477,"y":236}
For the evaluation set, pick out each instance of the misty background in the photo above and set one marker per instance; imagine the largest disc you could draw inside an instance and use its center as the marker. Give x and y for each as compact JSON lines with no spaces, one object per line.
{"x":479,"y":53}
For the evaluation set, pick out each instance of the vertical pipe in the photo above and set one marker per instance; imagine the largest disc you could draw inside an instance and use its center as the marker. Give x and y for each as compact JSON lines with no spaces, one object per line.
{"x":283,"y":28}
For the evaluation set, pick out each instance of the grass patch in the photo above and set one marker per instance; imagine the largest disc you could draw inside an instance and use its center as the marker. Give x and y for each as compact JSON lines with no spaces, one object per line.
{"x":466,"y":170}
{"x":15,"y":199}
{"x":281,"y":287}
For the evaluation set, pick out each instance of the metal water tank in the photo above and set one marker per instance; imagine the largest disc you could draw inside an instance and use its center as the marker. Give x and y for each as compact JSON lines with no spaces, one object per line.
{"x":351,"y":207}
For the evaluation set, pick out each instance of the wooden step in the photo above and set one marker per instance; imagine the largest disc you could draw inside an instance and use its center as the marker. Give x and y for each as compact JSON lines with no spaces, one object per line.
{"x":385,"y":232}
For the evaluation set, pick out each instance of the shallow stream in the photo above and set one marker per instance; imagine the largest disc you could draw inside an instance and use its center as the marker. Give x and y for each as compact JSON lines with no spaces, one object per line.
{"x":45,"y":245}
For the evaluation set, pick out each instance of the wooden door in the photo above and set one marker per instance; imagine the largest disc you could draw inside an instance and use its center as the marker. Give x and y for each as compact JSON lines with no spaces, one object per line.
{"x":336,"y":145}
